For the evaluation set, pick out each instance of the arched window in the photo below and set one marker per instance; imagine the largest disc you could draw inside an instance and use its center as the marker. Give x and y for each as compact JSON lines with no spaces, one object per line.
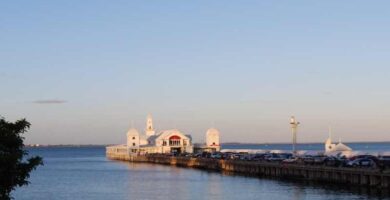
{"x":174,"y":140}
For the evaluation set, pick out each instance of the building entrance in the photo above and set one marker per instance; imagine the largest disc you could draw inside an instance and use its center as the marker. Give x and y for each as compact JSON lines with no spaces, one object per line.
{"x":175,"y":150}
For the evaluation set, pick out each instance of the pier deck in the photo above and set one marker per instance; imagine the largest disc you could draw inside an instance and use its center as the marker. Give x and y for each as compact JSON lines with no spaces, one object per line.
{"x":338,"y":175}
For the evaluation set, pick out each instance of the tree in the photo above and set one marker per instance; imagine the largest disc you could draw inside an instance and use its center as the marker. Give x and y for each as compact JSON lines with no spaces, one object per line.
{"x":15,"y":168}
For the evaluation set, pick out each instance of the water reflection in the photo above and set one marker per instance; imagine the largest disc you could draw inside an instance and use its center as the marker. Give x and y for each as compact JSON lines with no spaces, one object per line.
{"x":169,"y":182}
{"x":159,"y":182}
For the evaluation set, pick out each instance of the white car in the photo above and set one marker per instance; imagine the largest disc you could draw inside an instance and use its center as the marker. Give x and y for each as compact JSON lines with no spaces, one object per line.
{"x":361,"y":162}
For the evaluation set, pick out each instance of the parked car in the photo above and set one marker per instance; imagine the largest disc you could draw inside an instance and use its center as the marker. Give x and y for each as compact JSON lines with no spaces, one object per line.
{"x":293,"y":160}
{"x":361,"y":162}
{"x":278,"y":157}
{"x":216,"y":155}
{"x":332,"y":161}
{"x":197,"y":155}
{"x":319,"y":160}
{"x":235,"y":156}
{"x":374,"y":158}
{"x":258,"y":157}
{"x":307,"y":160}
{"x":384,"y":161}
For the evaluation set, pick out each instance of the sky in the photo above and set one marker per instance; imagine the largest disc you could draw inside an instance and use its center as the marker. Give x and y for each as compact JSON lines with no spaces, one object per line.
{"x":82,"y":72}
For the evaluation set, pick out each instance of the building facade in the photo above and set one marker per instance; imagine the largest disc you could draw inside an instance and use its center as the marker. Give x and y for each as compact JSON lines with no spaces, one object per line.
{"x":167,"y":141}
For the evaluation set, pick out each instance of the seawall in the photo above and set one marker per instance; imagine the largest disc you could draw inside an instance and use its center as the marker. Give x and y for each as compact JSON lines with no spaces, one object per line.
{"x":351,"y":176}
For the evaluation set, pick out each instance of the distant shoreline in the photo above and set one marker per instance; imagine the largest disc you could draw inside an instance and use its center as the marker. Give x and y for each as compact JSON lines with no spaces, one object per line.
{"x":284,"y":143}
{"x":222,"y":144}
{"x":64,"y":145}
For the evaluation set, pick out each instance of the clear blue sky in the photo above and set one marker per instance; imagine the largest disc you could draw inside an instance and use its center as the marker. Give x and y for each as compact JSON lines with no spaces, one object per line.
{"x":81,"y":71}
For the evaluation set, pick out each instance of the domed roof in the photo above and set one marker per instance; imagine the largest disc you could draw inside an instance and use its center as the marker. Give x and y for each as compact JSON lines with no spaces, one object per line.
{"x":132,"y":131}
{"x":212,"y":131}
{"x":167,"y":133}
{"x":342,"y":147}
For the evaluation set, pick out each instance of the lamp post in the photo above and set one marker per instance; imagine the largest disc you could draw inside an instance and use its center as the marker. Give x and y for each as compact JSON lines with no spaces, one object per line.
{"x":294,"y":126}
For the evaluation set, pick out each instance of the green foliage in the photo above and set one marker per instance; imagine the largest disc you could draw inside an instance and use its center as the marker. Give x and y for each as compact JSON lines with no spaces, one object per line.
{"x":14,"y":167}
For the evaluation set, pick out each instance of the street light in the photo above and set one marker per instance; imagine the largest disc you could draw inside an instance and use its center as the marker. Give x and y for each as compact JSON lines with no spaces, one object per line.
{"x":294,"y":127}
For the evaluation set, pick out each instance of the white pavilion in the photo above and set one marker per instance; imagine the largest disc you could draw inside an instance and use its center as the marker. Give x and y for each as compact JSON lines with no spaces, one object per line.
{"x":332,"y":147}
{"x":167,"y":141}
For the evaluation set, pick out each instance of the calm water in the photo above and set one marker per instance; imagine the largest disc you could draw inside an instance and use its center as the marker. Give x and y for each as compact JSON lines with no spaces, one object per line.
{"x":85,"y":173}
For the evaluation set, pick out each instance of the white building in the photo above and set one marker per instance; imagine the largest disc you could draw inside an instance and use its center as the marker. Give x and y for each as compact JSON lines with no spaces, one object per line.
{"x":212,"y":139}
{"x":171,"y":141}
{"x":167,"y":141}
{"x":212,"y":142}
{"x":339,"y":147}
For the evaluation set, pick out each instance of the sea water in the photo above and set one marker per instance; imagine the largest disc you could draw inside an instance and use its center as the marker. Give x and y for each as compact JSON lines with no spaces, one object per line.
{"x":85,"y":173}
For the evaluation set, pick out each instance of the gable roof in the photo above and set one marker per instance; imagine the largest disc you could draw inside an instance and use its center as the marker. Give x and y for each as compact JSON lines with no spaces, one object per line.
{"x":169,"y":133}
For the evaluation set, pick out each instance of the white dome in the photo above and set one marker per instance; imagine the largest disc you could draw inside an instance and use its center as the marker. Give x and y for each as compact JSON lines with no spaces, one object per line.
{"x":132,"y":131}
{"x":342,"y":147}
{"x":212,"y":131}
{"x":212,"y":137}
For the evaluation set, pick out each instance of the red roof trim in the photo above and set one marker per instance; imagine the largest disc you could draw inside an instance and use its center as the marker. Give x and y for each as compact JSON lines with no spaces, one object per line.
{"x":174,"y":137}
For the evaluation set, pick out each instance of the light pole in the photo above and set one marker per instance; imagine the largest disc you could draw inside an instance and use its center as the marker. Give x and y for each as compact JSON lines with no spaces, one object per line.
{"x":294,"y":127}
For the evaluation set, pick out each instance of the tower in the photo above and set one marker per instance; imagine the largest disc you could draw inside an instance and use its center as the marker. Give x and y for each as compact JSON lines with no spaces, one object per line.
{"x":212,"y":140}
{"x":212,"y":137}
{"x":133,"y":138}
{"x":294,"y":126}
{"x":328,"y":143}
{"x":149,"y":126}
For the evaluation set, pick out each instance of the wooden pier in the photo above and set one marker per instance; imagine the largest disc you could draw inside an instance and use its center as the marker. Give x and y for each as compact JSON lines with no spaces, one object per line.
{"x":339,"y":175}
